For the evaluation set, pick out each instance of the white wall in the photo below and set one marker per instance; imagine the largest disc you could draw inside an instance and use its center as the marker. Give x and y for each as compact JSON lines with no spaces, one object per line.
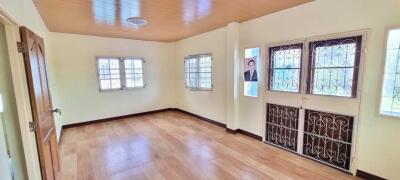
{"x":76,"y":79}
{"x":378,"y":153}
{"x":54,"y":92}
{"x":378,"y":150}
{"x":25,"y":13}
{"x":210,"y":104}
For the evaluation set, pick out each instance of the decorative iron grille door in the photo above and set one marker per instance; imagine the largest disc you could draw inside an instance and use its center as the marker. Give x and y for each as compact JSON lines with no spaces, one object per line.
{"x":316,"y":75}
{"x":328,"y":138}
{"x":282,"y":126}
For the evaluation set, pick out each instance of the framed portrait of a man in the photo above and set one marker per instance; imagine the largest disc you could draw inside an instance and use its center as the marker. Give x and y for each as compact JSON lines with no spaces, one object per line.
{"x":250,"y":72}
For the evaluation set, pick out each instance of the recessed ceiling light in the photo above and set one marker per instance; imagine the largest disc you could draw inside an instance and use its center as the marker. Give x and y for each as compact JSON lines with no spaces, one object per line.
{"x":137,"y":21}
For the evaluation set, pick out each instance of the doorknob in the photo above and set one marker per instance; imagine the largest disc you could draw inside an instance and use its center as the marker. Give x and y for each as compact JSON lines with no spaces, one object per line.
{"x":56,"y":111}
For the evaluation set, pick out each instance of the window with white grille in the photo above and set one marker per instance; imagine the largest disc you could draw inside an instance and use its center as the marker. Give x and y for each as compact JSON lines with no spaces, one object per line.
{"x":285,"y":68}
{"x":134,"y":73}
{"x":198,"y":72}
{"x":333,"y":66}
{"x":390,"y":100}
{"x":119,"y":73}
{"x":109,"y":73}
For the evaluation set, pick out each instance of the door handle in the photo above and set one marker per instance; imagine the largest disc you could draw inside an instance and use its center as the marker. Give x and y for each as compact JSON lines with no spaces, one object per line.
{"x":56,"y":111}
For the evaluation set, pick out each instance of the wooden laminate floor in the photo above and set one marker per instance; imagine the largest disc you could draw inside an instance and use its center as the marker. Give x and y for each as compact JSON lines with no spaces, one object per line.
{"x":172,"y":145}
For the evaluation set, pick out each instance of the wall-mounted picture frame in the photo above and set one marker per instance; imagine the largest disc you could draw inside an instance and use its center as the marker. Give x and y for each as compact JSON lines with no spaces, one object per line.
{"x":251,"y":71}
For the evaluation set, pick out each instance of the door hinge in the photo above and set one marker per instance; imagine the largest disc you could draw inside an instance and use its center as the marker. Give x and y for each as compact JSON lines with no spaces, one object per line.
{"x":32,"y":126}
{"x":21,"y":47}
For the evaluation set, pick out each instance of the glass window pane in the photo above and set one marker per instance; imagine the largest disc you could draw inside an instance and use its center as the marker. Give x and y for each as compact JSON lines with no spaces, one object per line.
{"x":205,"y":80}
{"x":335,"y":56}
{"x":115,"y":83}
{"x":285,"y":80}
{"x":114,"y":71}
{"x":114,"y":63}
{"x":138,"y":70}
{"x":103,"y":63}
{"x":286,"y":57}
{"x":334,"y":64}
{"x":109,"y":73}
{"x":105,"y":84}
{"x":138,"y":63}
{"x":114,"y":76}
{"x":134,"y":73}
{"x":104,"y":71}
{"x":390,"y":98}
{"x":285,"y":68}
{"x":104,"y":76}
{"x":128,"y":63}
{"x":205,"y":75}
{"x":128,"y":71}
{"x":198,"y":72}
{"x":130,"y":83}
{"x":333,"y":82}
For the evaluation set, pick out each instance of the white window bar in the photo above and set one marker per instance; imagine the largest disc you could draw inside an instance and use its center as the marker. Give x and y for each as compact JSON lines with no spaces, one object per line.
{"x":198,"y":72}
{"x":120,"y":73}
{"x":134,"y":72}
{"x":109,"y":73}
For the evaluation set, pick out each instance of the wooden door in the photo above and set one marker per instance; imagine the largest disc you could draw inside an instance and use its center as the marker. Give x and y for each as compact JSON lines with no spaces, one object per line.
{"x":34,"y":56}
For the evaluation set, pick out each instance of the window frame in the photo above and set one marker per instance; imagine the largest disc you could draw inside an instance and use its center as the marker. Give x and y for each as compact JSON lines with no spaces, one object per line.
{"x":98,"y":73}
{"x":383,"y":70}
{"x":270,"y":63}
{"x":197,"y":57}
{"x":358,"y":62}
{"x":121,"y":72}
{"x":143,"y":70}
{"x":306,"y":40}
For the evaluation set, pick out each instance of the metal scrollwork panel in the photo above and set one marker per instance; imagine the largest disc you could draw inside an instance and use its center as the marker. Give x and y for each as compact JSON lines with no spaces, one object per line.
{"x":328,"y":137}
{"x":282,"y":126}
{"x":328,"y":125}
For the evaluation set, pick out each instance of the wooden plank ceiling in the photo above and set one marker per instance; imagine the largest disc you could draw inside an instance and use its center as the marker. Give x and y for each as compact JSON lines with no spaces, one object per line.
{"x":168,"y":20}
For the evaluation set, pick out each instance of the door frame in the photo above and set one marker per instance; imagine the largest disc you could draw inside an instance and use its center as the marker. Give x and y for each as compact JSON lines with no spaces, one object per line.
{"x":4,"y":164}
{"x":21,"y":94}
{"x":365,"y":33}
